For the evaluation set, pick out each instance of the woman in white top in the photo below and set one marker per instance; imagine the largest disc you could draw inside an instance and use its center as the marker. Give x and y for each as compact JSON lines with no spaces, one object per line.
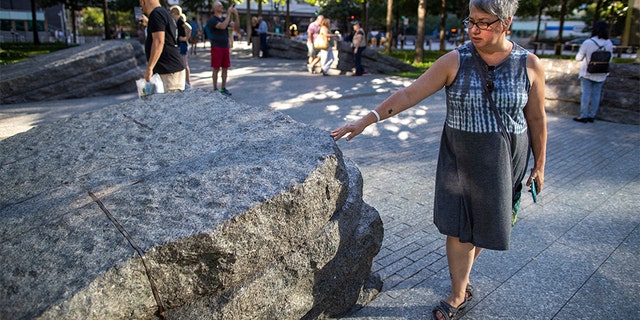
{"x":591,"y":83}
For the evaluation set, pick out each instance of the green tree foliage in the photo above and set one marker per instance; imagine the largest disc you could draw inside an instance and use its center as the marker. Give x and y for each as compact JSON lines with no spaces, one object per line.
{"x":341,"y":11}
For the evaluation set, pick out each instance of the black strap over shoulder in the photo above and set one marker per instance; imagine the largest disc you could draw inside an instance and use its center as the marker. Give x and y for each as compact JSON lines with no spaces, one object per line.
{"x":486,"y":88}
{"x":600,"y":47}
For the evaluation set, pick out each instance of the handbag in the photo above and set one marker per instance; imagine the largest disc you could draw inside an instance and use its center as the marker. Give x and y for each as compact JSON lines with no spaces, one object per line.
{"x":321,"y":42}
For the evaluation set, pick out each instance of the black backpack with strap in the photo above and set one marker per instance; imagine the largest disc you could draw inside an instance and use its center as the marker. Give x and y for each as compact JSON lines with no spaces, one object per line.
{"x":599,"y":61}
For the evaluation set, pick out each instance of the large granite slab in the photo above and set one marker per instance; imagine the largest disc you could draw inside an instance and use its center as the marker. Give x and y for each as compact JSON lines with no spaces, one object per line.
{"x":186,"y":204}
{"x":88,"y":70}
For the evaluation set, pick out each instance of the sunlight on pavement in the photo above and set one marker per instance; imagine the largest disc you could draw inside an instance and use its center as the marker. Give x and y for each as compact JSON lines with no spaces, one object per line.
{"x":305,"y":98}
{"x":243,"y":71}
{"x":17,"y":125}
{"x":399,"y":125}
{"x":332,"y":107}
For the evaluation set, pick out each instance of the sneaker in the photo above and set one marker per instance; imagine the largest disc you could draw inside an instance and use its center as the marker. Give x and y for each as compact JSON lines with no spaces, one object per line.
{"x":187,"y":86}
{"x":225,"y":92}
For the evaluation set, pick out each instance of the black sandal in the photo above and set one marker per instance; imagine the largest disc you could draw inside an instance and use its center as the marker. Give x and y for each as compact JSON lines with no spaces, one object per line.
{"x":447,"y":310}
{"x":469,"y":292}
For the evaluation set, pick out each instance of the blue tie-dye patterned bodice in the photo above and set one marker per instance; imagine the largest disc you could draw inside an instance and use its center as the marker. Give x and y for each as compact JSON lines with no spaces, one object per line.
{"x":468,"y":109}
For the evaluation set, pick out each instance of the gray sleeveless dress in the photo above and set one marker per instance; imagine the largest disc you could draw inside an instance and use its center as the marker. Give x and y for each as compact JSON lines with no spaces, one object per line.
{"x":479,"y":173}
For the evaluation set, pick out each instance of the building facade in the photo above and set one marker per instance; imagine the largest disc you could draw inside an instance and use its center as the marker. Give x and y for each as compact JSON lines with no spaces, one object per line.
{"x":16,"y":22}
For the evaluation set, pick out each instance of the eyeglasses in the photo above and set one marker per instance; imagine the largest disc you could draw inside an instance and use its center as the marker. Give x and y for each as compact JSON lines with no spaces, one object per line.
{"x":481,"y":25}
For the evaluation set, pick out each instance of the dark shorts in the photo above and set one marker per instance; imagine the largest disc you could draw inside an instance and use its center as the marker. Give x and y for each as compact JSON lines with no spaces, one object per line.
{"x":220,"y":58}
{"x":184,"y":48}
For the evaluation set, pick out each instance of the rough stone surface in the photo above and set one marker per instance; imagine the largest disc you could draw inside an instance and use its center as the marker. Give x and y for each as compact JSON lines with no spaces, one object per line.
{"x":372,"y":60}
{"x":620,"y":95}
{"x":239,"y":211}
{"x":108,"y":67}
{"x":285,"y":48}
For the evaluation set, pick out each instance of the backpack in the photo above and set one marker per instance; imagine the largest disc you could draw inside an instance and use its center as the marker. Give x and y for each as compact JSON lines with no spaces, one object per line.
{"x":599,"y":61}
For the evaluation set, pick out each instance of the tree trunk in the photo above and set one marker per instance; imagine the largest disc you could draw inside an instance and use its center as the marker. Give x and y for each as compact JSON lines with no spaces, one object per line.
{"x":422,"y":12}
{"x":249,"y":27}
{"x":74,"y":28}
{"x":36,"y":38}
{"x":365,"y":10}
{"x":537,"y":38}
{"x":398,"y":20}
{"x":596,"y":14}
{"x":563,"y":13}
{"x":443,"y":25}
{"x":105,"y":11}
{"x":389,"y":25}
{"x":287,"y":23}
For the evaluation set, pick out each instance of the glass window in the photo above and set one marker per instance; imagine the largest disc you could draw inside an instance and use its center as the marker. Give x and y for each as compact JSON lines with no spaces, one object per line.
{"x":5,"y":25}
{"x":40,"y":25}
{"x":20,"y":26}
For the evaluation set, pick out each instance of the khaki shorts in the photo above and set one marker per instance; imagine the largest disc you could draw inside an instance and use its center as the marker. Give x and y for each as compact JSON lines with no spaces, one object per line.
{"x":174,"y":81}
{"x":311,"y":50}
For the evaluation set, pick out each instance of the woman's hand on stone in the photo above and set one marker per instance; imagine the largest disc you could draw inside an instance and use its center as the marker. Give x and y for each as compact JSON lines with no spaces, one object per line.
{"x":353,"y":129}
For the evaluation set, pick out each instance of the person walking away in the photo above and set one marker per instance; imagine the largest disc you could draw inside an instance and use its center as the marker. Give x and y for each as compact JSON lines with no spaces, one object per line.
{"x":196,"y":33}
{"x":220,"y":54}
{"x":592,"y":83}
{"x":312,"y":53}
{"x":401,"y":39}
{"x":326,"y":54}
{"x":255,"y":37}
{"x":262,"y":32}
{"x":184,"y":32}
{"x":161,"y":47}
{"x":359,"y":44}
{"x":495,"y":113}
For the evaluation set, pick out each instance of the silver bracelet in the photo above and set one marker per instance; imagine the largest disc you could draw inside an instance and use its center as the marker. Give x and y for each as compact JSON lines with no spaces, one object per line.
{"x":376,"y":114}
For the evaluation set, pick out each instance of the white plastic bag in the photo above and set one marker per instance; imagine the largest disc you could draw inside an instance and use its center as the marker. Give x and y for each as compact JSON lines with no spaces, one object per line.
{"x":148,"y":88}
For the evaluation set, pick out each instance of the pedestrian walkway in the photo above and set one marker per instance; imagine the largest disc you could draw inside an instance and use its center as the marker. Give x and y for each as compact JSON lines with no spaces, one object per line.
{"x":574,"y":255}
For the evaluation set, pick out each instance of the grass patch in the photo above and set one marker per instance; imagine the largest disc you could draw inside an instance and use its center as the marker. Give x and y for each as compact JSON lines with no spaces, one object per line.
{"x":407,"y":56}
{"x":12,"y":52}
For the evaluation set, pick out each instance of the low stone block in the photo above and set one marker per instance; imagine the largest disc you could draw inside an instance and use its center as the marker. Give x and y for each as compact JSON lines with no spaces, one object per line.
{"x":620,"y":101}
{"x":186,"y":204}
{"x":372,"y":60}
{"x":89,"y":70}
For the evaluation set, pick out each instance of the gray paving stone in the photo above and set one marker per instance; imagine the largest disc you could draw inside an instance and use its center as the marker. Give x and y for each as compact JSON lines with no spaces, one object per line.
{"x":612,"y":291}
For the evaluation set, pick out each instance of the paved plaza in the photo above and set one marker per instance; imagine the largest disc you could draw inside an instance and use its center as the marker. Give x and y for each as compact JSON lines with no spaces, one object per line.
{"x":574,"y":255}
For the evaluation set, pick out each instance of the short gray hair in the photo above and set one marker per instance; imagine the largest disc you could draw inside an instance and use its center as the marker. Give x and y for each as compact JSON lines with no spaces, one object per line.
{"x":501,"y":8}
